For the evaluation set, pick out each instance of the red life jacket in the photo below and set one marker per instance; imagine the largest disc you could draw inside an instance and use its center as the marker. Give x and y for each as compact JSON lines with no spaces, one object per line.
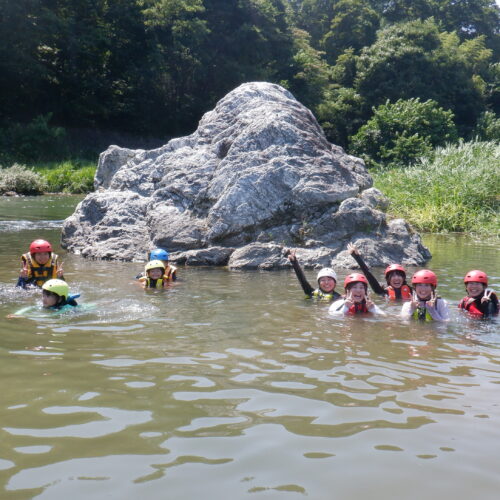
{"x":469,"y":305}
{"x":405,"y":292}
{"x":358,"y":308}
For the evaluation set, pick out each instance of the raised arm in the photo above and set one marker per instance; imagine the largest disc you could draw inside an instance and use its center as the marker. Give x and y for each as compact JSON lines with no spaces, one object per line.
{"x":375,"y":285}
{"x":308,"y":289}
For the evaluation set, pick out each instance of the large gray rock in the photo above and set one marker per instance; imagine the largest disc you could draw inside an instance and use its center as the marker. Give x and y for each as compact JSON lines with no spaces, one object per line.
{"x":257,"y":176}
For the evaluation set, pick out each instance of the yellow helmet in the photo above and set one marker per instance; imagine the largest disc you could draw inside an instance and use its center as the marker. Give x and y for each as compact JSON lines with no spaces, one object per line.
{"x":59,"y":287}
{"x":154,"y":264}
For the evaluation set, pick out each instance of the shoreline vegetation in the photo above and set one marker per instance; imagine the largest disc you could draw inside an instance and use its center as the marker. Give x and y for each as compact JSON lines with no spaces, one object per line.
{"x":69,"y":176}
{"x":454,"y":189}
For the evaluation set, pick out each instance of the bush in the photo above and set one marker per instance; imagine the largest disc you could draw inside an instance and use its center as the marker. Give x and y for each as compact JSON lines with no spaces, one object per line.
{"x":69,"y":177}
{"x":21,"y":180}
{"x":488,"y":127}
{"x":34,"y":141}
{"x":457,"y":190}
{"x":399,"y":133}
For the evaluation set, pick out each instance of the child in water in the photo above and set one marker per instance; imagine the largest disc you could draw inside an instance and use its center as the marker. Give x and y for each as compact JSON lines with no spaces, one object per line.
{"x":356,"y":300}
{"x":154,"y":275}
{"x":327,"y":281}
{"x":479,"y":303}
{"x":425,"y":305}
{"x":39,"y":265}
{"x":55,"y":297}
{"x":162,"y":254}
{"x":395,"y":276}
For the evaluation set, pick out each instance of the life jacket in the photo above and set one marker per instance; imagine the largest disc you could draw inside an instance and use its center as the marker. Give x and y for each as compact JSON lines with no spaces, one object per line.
{"x":38,"y":274}
{"x":473,"y":306}
{"x":319,"y":295}
{"x":70,"y":301}
{"x":422,"y":314}
{"x":150,"y":283}
{"x":469,"y":304}
{"x":169,"y":273}
{"x":405,"y":293}
{"x":358,"y":308}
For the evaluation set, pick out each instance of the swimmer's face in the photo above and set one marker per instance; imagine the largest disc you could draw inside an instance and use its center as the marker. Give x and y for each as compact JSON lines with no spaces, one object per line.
{"x":49,"y":299}
{"x":424,"y":291}
{"x":474,"y":288}
{"x":327,"y":284}
{"x":396,"y":279}
{"x":42,"y":258}
{"x":156,"y":273}
{"x":357,"y":291}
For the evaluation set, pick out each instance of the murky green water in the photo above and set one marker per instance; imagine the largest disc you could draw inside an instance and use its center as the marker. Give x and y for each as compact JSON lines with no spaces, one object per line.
{"x":229,"y":385}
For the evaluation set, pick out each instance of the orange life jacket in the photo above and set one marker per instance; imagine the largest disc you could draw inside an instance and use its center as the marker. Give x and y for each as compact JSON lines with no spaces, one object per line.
{"x":469,"y":305}
{"x":405,"y":292}
{"x":38,"y":274}
{"x":358,"y":308}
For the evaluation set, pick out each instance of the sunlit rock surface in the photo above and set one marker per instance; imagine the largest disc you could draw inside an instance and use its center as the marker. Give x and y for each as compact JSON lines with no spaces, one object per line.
{"x":258,"y":176}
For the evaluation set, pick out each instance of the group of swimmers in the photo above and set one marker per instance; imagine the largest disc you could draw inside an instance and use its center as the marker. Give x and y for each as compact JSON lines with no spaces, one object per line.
{"x":421,"y":301}
{"x":40,"y":267}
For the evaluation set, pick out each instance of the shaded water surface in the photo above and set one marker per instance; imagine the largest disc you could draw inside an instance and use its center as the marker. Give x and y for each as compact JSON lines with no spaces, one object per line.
{"x":230,"y":385}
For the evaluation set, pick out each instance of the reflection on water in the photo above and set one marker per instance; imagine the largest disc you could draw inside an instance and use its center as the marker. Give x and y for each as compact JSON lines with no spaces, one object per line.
{"x":233,"y":380}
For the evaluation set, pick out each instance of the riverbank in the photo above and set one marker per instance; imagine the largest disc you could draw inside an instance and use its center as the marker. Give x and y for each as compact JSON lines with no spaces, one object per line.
{"x":456,"y":190}
{"x":75,"y":176}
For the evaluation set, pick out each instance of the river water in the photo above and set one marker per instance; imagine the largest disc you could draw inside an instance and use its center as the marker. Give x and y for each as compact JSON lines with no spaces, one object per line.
{"x":230,"y":385}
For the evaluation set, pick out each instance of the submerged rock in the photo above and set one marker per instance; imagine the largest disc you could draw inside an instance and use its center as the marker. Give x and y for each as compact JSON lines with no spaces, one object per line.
{"x":256,"y":177}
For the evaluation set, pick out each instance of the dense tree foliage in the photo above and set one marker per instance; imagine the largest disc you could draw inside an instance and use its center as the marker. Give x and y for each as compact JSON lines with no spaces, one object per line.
{"x":153,"y":67}
{"x":402,"y":132}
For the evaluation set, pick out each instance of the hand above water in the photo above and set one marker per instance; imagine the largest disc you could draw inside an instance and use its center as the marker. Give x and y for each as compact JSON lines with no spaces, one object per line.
{"x":348,"y":301}
{"x":291,"y":256}
{"x":352,"y":249}
{"x":24,"y":270}
{"x":369,"y":302}
{"x":432,"y":301}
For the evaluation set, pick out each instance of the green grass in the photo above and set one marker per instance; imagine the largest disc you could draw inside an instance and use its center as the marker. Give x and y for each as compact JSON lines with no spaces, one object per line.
{"x":71,"y":176}
{"x":458,"y":190}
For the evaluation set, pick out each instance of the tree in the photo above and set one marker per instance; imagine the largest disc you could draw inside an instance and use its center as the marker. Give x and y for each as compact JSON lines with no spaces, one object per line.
{"x":309,"y":72}
{"x":22,"y":75}
{"x":415,"y":60}
{"x":339,"y":114}
{"x":468,"y":18}
{"x":353,"y":25}
{"x":399,"y":133}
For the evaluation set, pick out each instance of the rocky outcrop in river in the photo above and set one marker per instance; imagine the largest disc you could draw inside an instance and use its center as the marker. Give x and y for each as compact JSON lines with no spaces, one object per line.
{"x":258,"y":176}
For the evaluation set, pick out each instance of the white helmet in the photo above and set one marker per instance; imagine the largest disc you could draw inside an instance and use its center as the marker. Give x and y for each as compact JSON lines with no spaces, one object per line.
{"x":327,"y":272}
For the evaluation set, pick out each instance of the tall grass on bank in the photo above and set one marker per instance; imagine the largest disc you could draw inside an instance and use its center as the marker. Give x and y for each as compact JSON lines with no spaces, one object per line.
{"x":72,"y":176}
{"x":457,"y":190}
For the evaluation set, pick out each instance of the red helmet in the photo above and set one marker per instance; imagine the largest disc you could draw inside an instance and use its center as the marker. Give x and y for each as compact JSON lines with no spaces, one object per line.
{"x":424,"y":276}
{"x":394,"y":267}
{"x":355,"y":278}
{"x":39,"y":246}
{"x":477,"y":276}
